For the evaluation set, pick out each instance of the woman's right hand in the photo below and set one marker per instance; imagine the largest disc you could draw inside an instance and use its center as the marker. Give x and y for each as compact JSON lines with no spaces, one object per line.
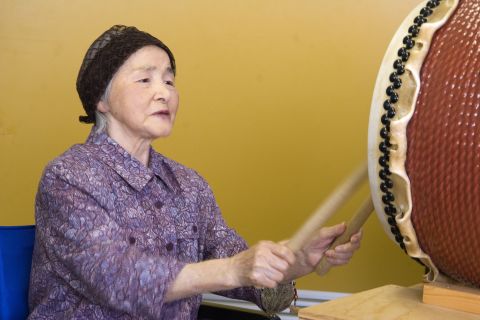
{"x":264,"y":265}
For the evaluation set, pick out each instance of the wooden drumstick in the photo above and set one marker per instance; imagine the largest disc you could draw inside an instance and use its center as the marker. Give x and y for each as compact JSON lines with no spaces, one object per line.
{"x":357,"y":221}
{"x":327,"y":209}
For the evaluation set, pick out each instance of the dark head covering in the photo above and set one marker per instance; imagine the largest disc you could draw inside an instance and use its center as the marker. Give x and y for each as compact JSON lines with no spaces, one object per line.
{"x":104,"y":57}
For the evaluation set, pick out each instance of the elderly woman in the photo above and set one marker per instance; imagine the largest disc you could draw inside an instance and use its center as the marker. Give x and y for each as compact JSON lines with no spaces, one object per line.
{"x":126,"y":233}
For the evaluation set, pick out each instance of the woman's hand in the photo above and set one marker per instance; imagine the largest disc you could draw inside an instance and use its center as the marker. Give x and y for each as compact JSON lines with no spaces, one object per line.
{"x":264,"y":265}
{"x":267,"y":264}
{"x":313,"y":251}
{"x":343,"y":253}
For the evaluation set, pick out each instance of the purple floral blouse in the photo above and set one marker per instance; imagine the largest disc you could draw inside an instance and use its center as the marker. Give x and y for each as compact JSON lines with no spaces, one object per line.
{"x":113,"y":234}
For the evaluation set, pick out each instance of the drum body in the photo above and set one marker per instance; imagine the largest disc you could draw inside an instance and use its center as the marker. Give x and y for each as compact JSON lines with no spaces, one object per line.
{"x":424,"y":139}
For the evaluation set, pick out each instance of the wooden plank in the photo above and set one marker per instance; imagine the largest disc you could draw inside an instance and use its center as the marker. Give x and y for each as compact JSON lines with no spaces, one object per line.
{"x":389,"y":302}
{"x":452,"y":297}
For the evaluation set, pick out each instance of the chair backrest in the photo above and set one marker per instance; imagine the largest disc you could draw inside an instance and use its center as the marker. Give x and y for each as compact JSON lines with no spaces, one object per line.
{"x":16,"y":246}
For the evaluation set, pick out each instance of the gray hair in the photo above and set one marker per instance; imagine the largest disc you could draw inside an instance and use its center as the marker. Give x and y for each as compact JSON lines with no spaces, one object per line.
{"x":100,"y":118}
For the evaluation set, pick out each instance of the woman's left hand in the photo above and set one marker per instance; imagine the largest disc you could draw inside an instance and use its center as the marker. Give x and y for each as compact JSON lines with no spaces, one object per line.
{"x":310,"y":255}
{"x":342,"y":254}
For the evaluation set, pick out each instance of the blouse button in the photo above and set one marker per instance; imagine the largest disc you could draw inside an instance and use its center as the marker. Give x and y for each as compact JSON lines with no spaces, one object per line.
{"x":159,"y":204}
{"x":194,"y":228}
{"x":169,"y":246}
{"x":131,"y":240}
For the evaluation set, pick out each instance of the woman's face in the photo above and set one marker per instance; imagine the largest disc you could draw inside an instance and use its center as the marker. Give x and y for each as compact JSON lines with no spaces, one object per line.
{"x":142,"y":101}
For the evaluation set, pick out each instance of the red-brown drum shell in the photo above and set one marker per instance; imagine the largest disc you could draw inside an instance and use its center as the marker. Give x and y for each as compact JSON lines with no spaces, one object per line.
{"x":443,"y":155}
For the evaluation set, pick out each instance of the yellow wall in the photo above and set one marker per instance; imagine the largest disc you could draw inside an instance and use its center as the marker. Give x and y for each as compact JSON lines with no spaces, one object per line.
{"x":275,"y":98}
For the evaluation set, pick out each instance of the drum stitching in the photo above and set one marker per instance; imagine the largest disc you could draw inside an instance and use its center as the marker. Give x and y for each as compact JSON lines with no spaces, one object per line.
{"x":385,"y":146}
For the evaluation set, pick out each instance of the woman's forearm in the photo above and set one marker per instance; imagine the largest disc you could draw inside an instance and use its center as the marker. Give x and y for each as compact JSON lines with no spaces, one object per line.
{"x":207,"y":276}
{"x":263,"y":265}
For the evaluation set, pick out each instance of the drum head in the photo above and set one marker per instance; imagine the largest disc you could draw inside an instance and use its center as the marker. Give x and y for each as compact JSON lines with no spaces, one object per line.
{"x":424,"y":139}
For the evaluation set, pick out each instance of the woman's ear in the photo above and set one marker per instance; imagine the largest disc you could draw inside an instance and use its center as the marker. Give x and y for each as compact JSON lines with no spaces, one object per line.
{"x":103,"y":106}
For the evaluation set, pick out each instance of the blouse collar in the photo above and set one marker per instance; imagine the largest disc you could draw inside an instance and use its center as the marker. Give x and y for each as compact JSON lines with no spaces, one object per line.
{"x":135,"y":173}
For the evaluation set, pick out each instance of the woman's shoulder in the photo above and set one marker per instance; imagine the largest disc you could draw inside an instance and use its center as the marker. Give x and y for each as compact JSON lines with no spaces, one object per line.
{"x":77,"y":161}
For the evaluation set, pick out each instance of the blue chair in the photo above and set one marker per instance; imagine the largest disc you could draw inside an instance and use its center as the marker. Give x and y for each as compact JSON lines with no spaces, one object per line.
{"x":16,"y":246}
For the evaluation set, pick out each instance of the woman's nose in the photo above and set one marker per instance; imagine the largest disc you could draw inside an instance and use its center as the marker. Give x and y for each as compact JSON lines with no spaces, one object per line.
{"x":162,"y":92}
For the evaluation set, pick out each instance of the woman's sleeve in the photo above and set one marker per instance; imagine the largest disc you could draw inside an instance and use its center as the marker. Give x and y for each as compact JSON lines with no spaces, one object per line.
{"x":92,"y":253}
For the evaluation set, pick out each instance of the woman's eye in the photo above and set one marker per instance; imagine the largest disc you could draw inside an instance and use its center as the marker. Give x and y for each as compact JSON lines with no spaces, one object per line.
{"x":145,"y":80}
{"x":170,"y":83}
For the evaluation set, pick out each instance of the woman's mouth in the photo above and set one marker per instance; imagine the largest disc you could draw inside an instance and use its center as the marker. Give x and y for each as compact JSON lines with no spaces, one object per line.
{"x":162,"y":114}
